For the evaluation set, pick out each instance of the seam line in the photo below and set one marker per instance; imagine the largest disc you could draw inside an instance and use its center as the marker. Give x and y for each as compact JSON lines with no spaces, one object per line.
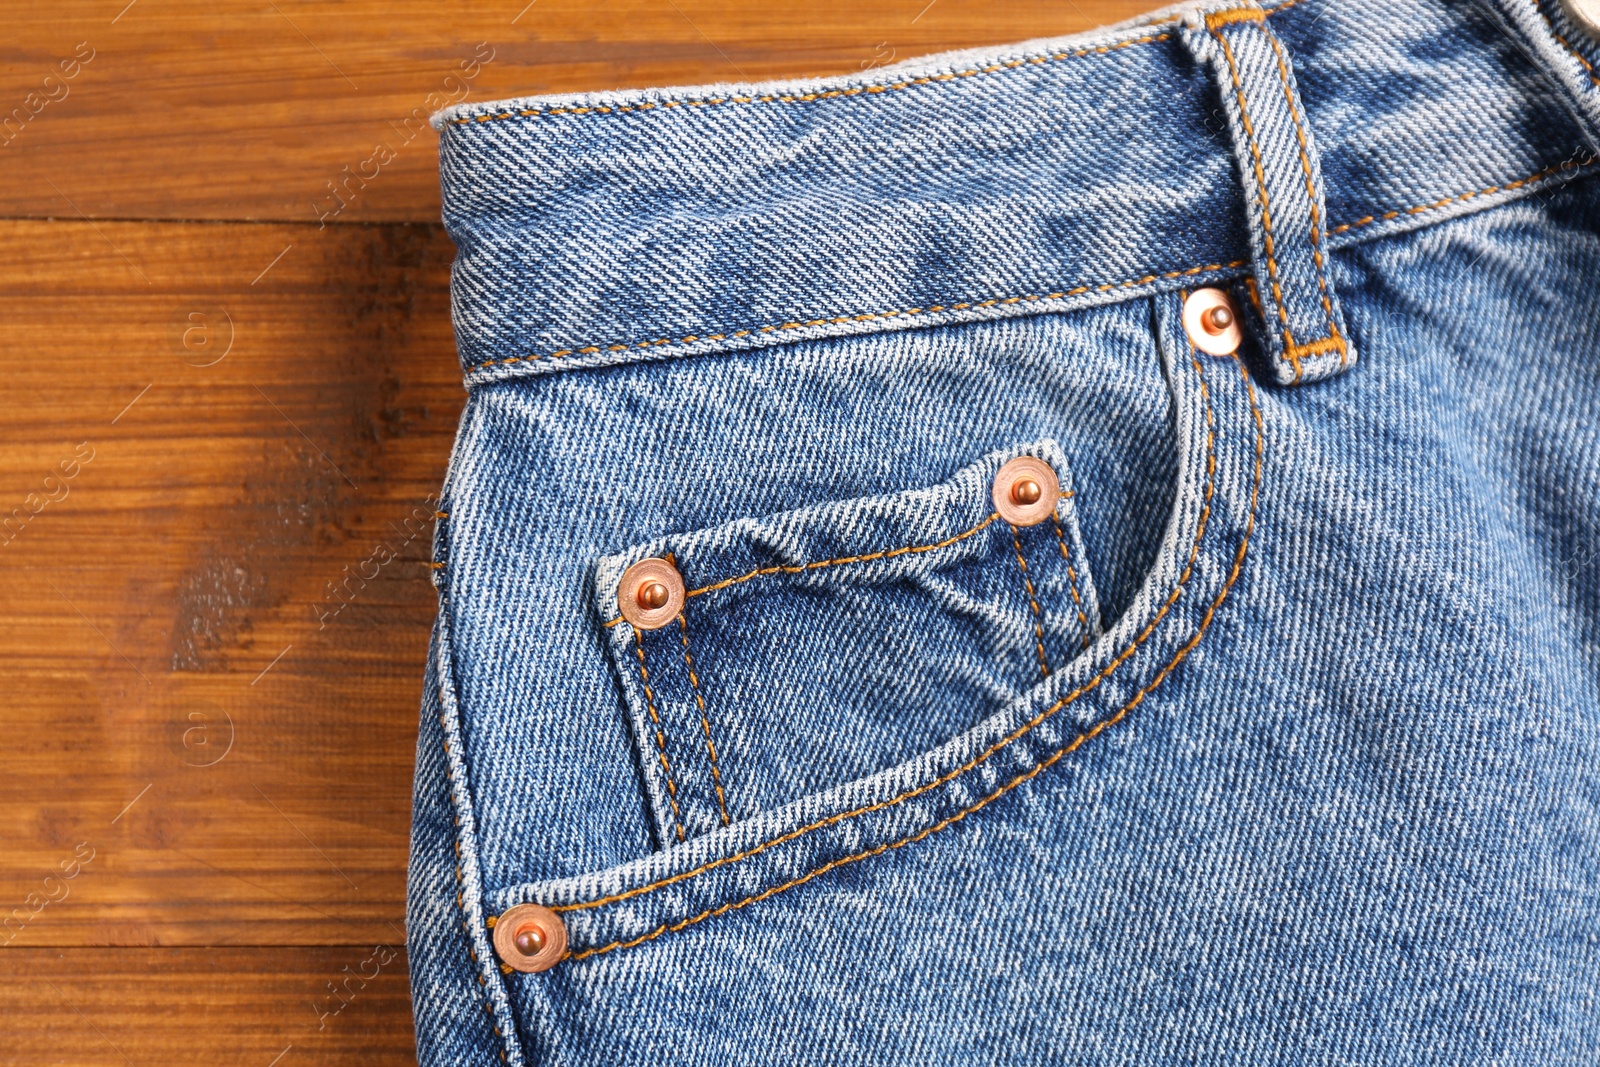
{"x":1049,"y":761}
{"x":982,"y":757}
{"x":1548,"y":21}
{"x":1577,"y":163}
{"x":799,"y":568}
{"x":1033,"y":602}
{"x":661,"y":738}
{"x":1072,"y":579}
{"x":1311,"y":191}
{"x":1333,"y":344}
{"x":705,"y":724}
{"x":455,"y":821}
{"x":1266,"y":205}
{"x":1103,"y":287}
{"x":1566,"y":164}
{"x":461,"y":902}
{"x":1237,"y":14}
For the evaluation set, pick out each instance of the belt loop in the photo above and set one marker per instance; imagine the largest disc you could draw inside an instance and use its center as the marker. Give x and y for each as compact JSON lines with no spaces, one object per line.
{"x":1304,"y":328}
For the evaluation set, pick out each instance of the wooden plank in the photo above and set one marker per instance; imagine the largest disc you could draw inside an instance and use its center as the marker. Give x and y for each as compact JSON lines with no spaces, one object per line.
{"x":236,"y":109}
{"x":208,"y":430}
{"x":181,"y":1006}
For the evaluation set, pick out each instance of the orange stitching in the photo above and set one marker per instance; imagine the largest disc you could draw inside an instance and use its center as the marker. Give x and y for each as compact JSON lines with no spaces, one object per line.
{"x":705,"y":725}
{"x":1238,"y":14}
{"x":800,"y":568}
{"x":1092,"y":732}
{"x":807,"y":98}
{"x":1072,"y":577}
{"x":1566,"y":164}
{"x":1311,"y":194}
{"x":1266,"y":207}
{"x":1324,"y":347}
{"x":661,"y":738}
{"x":1033,"y":601}
{"x":1286,"y":5}
{"x":1548,"y":21}
{"x":935,"y":309}
{"x":1090,"y":685}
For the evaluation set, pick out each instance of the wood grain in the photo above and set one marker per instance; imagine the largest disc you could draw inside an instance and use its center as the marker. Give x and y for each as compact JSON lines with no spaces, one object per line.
{"x":182,"y":1006}
{"x":194,"y":549}
{"x":211,"y":429}
{"x":236,"y":109}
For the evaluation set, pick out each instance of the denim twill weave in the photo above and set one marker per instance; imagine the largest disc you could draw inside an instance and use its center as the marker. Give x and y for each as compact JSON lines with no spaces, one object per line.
{"x":1304,"y":332}
{"x":1276,"y":741}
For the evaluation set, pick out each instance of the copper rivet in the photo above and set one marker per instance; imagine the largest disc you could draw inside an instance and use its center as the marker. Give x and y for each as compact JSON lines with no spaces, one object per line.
{"x":650,"y":594}
{"x":1212,"y":323}
{"x":530,"y":938}
{"x":1025,"y":491}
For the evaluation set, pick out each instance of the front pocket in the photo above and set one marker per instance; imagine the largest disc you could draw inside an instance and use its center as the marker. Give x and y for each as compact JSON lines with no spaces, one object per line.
{"x":822,"y":645}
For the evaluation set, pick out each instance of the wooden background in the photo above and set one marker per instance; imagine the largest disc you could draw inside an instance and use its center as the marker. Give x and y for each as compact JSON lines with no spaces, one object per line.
{"x":216,"y":408}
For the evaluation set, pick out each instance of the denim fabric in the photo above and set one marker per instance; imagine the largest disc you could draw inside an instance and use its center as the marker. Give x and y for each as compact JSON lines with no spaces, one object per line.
{"x":946,"y":611}
{"x":1303,"y":333}
{"x":1278,"y":743}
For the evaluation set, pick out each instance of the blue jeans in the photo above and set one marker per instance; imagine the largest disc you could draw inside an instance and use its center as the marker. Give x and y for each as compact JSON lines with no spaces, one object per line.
{"x":774,"y":717}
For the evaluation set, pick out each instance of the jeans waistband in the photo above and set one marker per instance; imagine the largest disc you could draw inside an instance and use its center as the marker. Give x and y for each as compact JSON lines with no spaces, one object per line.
{"x":647,"y":224}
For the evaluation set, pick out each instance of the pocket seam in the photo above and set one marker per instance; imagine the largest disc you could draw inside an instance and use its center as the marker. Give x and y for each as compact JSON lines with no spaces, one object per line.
{"x":801,"y":568}
{"x":1016,"y":734}
{"x":661,"y":737}
{"x":1033,"y":601}
{"x":684,"y":797}
{"x":1048,"y":761}
{"x":1072,"y":577}
{"x":705,"y":721}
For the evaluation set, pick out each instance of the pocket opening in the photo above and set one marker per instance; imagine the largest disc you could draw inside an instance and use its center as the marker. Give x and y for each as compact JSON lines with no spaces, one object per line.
{"x":835,"y":641}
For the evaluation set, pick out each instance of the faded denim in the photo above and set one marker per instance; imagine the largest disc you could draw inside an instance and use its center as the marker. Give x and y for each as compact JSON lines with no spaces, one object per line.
{"x":1279,"y":743}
